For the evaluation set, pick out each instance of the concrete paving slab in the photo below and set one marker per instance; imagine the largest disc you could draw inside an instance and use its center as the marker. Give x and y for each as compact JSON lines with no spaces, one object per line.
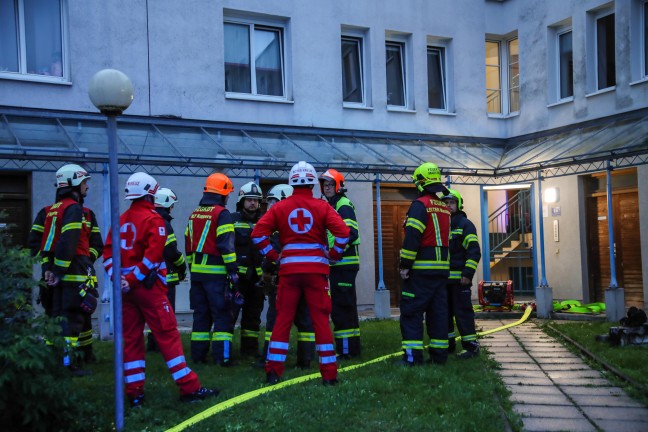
{"x":551,"y":425}
{"x":521,"y":373}
{"x":543,"y":390}
{"x":622,"y":426}
{"x":513,"y":359}
{"x":555,"y":360}
{"x":526,"y":381}
{"x":540,"y":399}
{"x":592,"y":391}
{"x":521,"y":366}
{"x":565,"y":366}
{"x":617,"y":413}
{"x":606,"y":401}
{"x":574,"y":374}
{"x":547,"y":411}
{"x":567,"y":382}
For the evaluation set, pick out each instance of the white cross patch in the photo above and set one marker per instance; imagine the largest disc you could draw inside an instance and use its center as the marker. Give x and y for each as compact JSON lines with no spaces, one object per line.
{"x":300,"y":220}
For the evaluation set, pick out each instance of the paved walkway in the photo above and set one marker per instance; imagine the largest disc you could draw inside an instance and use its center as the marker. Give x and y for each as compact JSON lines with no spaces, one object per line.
{"x":553,"y":389}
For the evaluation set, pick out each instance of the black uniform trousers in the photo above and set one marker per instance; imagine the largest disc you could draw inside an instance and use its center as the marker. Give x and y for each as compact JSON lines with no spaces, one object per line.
{"x":424,"y":296}
{"x":460,"y":308}
{"x":252,"y":307}
{"x":344,"y":312}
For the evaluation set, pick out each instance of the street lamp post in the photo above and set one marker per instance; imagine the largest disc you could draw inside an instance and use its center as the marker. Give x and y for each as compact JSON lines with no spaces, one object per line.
{"x":111,"y":91}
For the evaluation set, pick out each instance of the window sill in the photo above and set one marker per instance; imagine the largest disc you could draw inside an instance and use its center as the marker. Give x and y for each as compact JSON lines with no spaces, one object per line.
{"x":602,"y":91}
{"x":357,"y":106}
{"x":400,"y":109}
{"x":44,"y":79}
{"x":441,"y":112}
{"x":504,"y":116}
{"x":561,"y":102}
{"x":643,"y":80}
{"x":256,"y":98}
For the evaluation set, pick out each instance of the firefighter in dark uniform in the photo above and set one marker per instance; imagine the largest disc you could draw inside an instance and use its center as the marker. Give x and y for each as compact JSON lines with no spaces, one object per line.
{"x":303,"y":322}
{"x":464,"y":257}
{"x":424,"y":268}
{"x":66,"y":237}
{"x":249,"y":260}
{"x":209,"y":244}
{"x":165,"y":199}
{"x":343,"y":273}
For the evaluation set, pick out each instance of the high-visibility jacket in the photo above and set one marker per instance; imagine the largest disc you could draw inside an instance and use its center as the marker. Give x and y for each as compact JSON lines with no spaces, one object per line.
{"x":301,"y":221}
{"x":465,"y":252}
{"x":175,"y":261}
{"x":67,"y":240}
{"x":427,"y":236}
{"x":351,"y":256}
{"x":209,"y":241}
{"x":248,"y":257}
{"x":142,"y":235}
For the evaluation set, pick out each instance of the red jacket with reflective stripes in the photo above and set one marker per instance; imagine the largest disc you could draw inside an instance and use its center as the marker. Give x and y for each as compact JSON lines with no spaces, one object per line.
{"x":142,"y":237}
{"x":301,"y":221}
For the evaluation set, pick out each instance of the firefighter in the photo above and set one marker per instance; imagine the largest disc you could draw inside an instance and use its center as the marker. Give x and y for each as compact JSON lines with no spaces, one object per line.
{"x":209,"y":244}
{"x":464,"y":257}
{"x":143,"y":235}
{"x":249,"y":259}
{"x":343,"y":273}
{"x":303,"y":322}
{"x":302,"y":221}
{"x":424,"y":268}
{"x":66,"y":238}
{"x":165,"y":199}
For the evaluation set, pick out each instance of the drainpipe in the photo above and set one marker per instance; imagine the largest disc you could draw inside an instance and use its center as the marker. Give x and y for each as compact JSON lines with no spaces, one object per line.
{"x":104,"y":318}
{"x":614,"y":295}
{"x":544,"y":294}
{"x":381,"y":295}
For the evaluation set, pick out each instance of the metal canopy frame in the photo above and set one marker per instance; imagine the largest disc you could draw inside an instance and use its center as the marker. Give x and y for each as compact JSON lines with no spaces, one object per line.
{"x":38,"y":140}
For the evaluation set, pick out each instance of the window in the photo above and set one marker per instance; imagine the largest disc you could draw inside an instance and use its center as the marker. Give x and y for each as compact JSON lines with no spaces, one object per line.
{"x":605,"y":63}
{"x":436,"y":62}
{"x":502,"y":81}
{"x":645,"y":38}
{"x":254,"y":59}
{"x":396,"y":84}
{"x":565,"y":65}
{"x":32,"y":40}
{"x":352,"y":70}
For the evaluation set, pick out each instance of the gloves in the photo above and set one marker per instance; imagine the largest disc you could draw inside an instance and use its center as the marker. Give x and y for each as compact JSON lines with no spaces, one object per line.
{"x":232,"y":292}
{"x":88,"y":300}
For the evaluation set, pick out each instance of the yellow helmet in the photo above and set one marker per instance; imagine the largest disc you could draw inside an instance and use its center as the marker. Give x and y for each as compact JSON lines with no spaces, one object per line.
{"x":425,"y":175}
{"x":455,"y":195}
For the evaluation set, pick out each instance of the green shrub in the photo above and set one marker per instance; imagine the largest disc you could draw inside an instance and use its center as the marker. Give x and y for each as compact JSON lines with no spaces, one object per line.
{"x":35,"y":390}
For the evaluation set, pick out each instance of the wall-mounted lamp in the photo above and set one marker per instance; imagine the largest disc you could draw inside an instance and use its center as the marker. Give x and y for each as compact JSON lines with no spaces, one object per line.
{"x":551,"y":195}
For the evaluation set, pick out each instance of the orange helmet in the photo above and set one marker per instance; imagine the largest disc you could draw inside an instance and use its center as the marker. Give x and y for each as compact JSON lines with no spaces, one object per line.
{"x":334,"y":176}
{"x":219,"y":183}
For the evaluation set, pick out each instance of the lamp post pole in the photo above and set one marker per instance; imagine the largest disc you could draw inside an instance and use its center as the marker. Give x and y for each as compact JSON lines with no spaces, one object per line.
{"x":112,"y":92}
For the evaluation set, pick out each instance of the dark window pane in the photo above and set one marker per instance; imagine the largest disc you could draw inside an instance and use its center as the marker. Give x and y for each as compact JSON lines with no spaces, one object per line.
{"x":43,"y":37}
{"x":352,"y":70}
{"x":493,"y":82}
{"x":237,"y":58}
{"x":645,"y":35}
{"x":8,"y":39}
{"x":395,"y":75}
{"x":436,"y":78}
{"x":514,"y":75}
{"x":566,"y":59}
{"x":605,"y":52}
{"x":267,"y":61}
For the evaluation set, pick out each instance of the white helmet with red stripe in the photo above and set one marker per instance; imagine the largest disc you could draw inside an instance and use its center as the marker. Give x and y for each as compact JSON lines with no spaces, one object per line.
{"x":301,"y":174}
{"x":70,"y":175}
{"x":140,"y":184}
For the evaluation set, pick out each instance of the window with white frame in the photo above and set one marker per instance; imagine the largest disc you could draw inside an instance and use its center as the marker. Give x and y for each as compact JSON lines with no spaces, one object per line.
{"x":644,"y":39}
{"x":254,"y":59}
{"x":352,"y":70}
{"x":605,"y":61}
{"x":565,"y":64}
{"x":32,"y":40}
{"x":502,"y":76}
{"x":396,"y":74}
{"x":436,"y":63}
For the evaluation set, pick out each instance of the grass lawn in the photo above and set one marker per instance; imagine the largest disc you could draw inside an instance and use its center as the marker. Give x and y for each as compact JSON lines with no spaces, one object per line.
{"x":462,"y":395}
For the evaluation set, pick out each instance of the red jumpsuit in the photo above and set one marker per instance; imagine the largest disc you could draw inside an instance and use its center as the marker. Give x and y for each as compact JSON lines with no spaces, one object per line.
{"x":142,"y":237}
{"x":302,"y":221}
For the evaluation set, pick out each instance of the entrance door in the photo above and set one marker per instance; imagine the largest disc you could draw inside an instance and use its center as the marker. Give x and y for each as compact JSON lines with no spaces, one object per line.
{"x":16,"y":206}
{"x":627,"y":239}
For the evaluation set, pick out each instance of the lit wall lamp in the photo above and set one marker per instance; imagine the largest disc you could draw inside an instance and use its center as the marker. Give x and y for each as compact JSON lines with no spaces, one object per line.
{"x":551,"y":195}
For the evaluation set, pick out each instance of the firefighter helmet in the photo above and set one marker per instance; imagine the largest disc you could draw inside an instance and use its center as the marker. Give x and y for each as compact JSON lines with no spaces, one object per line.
{"x":250,"y":190}
{"x":219,"y":183}
{"x":301,"y":174}
{"x":165,"y":197}
{"x":336,"y":177}
{"x":70,"y":175}
{"x":455,"y":195}
{"x":140,"y":184}
{"x":425,"y":175}
{"x":280,"y":192}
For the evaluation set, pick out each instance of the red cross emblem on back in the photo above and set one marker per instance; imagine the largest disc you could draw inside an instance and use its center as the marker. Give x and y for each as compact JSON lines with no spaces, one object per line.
{"x":300,"y":220}
{"x":128,"y":234}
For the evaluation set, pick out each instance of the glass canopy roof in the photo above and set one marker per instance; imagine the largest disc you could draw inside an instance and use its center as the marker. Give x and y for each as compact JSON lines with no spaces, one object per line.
{"x":52,"y":136}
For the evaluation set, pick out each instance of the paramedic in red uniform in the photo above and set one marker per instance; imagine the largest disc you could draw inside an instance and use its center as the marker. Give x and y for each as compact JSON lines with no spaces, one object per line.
{"x":142,"y":238}
{"x":302,"y":221}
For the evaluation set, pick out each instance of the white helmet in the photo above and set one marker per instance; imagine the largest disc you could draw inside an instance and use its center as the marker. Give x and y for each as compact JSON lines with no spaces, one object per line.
{"x":70,"y":175}
{"x":165,"y":197}
{"x":280,"y":191}
{"x":140,"y":184}
{"x":250,"y":190}
{"x":302,"y":173}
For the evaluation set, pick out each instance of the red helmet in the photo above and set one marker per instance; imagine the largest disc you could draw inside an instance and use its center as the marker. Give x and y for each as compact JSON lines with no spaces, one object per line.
{"x":336,"y":177}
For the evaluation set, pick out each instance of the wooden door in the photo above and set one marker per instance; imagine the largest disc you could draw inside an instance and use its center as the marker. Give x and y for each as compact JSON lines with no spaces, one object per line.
{"x":393,"y":215}
{"x":627,"y":239}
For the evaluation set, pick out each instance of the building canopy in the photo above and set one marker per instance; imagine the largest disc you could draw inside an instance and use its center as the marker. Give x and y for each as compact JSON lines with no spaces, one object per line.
{"x":42,"y":140}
